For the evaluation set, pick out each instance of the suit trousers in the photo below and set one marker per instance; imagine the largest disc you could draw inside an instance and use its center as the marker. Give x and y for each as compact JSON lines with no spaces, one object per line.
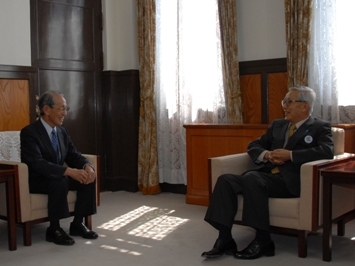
{"x":256,"y":188}
{"x":57,"y":191}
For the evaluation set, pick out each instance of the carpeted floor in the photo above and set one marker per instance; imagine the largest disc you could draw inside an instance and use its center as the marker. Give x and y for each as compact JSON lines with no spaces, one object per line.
{"x":159,"y":230}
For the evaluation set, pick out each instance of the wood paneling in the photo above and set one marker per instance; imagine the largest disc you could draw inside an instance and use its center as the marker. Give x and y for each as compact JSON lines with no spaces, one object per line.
{"x":66,"y":49}
{"x":277,"y":89}
{"x":121,"y":123}
{"x":204,"y":141}
{"x":18,"y":90}
{"x":14,"y":104}
{"x":263,"y":84}
{"x":251,"y":98}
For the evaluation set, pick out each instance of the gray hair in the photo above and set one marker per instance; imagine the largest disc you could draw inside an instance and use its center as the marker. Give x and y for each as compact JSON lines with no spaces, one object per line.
{"x":305,"y":94}
{"x":47,"y":98}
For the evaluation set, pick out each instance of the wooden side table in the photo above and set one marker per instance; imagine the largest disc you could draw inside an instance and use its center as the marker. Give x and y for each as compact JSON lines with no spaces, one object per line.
{"x":343,"y":173}
{"x":8,"y":177}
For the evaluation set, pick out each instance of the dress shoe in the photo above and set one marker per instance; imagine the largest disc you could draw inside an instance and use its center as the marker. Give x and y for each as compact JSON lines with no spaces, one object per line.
{"x":82,"y":230}
{"x":59,"y":237}
{"x":221,"y":247}
{"x":254,"y":250}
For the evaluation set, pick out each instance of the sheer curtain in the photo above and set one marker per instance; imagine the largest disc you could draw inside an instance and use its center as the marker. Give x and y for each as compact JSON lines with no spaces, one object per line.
{"x":332,"y":54}
{"x":189,"y":81}
{"x":322,"y":64}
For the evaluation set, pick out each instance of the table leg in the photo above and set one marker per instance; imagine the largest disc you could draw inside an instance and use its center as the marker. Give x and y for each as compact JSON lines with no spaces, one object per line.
{"x":327,"y":219}
{"x":10,"y":194}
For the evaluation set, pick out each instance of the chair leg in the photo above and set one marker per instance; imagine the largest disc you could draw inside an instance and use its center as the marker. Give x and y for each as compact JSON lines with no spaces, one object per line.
{"x":88,"y":222}
{"x":27,"y":238}
{"x":302,"y":243}
{"x":341,"y":227}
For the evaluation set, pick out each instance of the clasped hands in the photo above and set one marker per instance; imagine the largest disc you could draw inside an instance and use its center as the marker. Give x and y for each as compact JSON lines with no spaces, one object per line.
{"x":278,"y":156}
{"x":86,"y":176}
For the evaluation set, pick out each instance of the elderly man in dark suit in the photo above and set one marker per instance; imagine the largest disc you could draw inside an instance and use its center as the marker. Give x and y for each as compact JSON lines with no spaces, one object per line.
{"x":287,"y":144}
{"x":45,"y":146}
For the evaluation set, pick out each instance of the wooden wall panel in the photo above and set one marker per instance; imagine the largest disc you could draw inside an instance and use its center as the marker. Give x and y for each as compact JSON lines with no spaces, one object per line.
{"x":204,"y":141}
{"x":251,"y":96}
{"x":66,"y":50}
{"x":14,"y":104}
{"x":263,"y":84}
{"x":121,"y":123}
{"x":277,"y":89}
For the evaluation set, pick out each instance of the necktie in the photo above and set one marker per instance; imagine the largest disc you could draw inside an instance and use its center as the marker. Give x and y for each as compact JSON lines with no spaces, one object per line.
{"x":291,"y":130}
{"x":55,"y":144}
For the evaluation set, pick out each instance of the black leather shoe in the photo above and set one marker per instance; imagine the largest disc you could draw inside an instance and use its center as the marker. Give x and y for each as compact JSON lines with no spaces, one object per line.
{"x":82,"y":230}
{"x":59,"y":237}
{"x":254,"y":250}
{"x":221,"y":247}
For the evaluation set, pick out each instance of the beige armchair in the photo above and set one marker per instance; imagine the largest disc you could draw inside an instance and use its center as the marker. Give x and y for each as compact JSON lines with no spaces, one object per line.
{"x":31,"y":208}
{"x":295,"y":216}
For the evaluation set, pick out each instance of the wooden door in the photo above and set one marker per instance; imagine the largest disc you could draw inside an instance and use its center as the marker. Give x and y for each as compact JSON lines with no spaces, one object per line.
{"x":66,"y":42}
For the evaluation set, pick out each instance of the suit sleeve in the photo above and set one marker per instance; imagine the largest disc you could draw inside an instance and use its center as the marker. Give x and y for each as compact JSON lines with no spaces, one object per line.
{"x":264,"y":142}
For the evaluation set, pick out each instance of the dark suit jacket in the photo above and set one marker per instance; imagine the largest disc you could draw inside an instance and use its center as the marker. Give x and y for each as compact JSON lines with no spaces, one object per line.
{"x":312,"y":141}
{"x":39,"y":155}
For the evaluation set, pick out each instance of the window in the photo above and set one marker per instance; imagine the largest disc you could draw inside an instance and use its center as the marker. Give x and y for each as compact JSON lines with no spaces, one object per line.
{"x":345,"y":51}
{"x":189,"y":81}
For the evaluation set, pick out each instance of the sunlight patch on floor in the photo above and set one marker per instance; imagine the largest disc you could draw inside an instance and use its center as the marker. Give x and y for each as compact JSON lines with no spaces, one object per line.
{"x":152,"y":222}
{"x":133,"y":243}
{"x":158,"y":228}
{"x":125,"y":219}
{"x":126,"y":251}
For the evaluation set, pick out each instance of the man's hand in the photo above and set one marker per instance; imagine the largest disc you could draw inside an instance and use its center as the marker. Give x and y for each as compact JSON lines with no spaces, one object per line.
{"x":86,"y":176}
{"x":278,"y":156}
{"x":91,"y":174}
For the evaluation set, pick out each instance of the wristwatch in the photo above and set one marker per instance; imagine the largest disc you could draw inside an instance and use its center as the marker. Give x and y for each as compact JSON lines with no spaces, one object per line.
{"x":89,"y":165}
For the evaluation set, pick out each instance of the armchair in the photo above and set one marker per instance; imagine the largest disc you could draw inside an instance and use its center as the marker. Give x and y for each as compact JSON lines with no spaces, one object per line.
{"x":295,"y":216}
{"x":31,"y":208}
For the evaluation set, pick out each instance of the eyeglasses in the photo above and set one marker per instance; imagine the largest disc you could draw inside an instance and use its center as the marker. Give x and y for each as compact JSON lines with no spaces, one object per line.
{"x":62,"y":108}
{"x":287,"y":102}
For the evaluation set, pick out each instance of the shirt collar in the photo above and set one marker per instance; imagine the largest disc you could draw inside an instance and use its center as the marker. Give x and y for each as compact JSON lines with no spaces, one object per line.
{"x":300,"y":123}
{"x":47,"y":127}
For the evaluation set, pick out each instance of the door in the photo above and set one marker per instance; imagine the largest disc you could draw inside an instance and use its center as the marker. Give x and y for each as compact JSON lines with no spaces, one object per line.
{"x":66,"y":43}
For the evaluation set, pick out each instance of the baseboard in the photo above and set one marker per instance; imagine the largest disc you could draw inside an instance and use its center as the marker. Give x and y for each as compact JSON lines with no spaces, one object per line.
{"x":173,"y":188}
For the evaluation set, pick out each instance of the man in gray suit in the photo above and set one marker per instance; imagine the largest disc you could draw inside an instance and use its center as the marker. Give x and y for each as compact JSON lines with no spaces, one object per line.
{"x":45,"y":146}
{"x":287,"y":144}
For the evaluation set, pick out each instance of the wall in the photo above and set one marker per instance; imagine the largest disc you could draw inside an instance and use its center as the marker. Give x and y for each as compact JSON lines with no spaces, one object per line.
{"x":261,"y":32}
{"x":261,"y":29}
{"x":15,"y":39}
{"x":120,"y":34}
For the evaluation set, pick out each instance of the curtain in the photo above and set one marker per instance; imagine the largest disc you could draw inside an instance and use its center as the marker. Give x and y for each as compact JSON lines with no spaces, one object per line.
{"x":230,"y":66}
{"x":322,"y":68}
{"x":148,"y":179}
{"x":298,"y":14}
{"x":189,"y":81}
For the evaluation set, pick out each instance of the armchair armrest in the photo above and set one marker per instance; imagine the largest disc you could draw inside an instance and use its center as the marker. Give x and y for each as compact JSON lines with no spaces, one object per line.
{"x":94,"y":160}
{"x":22,"y":190}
